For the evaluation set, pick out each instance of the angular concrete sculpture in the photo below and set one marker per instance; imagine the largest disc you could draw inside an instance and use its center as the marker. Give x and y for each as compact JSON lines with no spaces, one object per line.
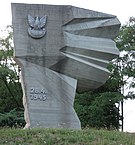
{"x":60,"y":49}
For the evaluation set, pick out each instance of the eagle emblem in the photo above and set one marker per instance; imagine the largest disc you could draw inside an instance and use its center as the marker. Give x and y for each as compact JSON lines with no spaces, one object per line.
{"x":37,"y":26}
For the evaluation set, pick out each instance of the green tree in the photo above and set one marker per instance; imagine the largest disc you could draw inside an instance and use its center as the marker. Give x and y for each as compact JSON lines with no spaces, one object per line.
{"x":125,"y":64}
{"x":10,"y":87}
{"x":126,"y":61}
{"x":99,"y":109}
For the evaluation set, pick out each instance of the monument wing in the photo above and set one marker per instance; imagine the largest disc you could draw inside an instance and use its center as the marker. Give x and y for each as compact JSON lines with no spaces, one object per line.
{"x":43,"y":21}
{"x":88,"y":47}
{"x":31,"y":21}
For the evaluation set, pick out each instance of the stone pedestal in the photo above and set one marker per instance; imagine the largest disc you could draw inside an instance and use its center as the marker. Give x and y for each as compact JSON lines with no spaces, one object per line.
{"x":49,"y":98}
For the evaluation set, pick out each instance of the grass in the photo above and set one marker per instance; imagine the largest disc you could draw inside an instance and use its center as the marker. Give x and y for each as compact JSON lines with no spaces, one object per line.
{"x":12,"y":136}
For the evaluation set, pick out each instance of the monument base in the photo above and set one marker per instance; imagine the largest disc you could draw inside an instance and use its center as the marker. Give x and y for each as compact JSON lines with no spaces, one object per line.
{"x":49,"y":98}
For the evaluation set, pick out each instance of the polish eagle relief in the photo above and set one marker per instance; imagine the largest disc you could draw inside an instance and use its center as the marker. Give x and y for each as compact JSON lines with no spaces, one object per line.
{"x":37,"y":26}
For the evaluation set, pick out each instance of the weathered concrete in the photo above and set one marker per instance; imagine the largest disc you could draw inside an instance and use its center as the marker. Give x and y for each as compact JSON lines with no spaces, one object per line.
{"x":62,"y":49}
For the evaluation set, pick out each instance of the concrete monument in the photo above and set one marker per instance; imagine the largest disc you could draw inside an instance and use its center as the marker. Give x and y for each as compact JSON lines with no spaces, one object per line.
{"x":60,"y":49}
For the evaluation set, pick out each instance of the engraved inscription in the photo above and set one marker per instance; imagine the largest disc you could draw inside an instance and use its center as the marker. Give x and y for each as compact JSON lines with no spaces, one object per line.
{"x":38,"y":94}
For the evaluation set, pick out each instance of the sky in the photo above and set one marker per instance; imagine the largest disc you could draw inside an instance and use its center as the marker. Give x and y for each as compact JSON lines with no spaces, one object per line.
{"x":123,"y":9}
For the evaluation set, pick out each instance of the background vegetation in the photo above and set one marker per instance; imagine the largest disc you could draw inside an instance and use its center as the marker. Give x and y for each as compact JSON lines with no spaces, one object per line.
{"x":11,"y":112}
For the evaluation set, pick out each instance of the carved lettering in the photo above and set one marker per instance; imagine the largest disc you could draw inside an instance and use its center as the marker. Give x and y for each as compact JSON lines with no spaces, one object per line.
{"x":32,"y":90}
{"x":38,"y":94}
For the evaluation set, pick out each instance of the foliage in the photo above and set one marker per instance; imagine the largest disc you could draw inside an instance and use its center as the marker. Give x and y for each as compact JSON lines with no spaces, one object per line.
{"x":125,"y":64}
{"x":14,"y":118}
{"x":108,"y":113}
{"x":82,"y":103}
{"x":99,"y":109}
{"x":10,"y":87}
{"x":10,"y":96}
{"x":64,"y":137}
